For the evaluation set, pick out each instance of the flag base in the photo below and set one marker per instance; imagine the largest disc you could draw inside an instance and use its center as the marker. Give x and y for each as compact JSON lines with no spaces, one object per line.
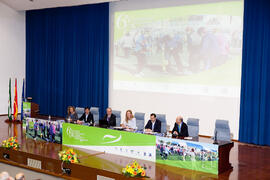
{"x":13,"y":122}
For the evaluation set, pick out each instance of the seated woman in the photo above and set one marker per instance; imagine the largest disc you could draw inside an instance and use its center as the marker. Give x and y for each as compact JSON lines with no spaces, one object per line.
{"x":130,"y":121}
{"x":71,"y":115}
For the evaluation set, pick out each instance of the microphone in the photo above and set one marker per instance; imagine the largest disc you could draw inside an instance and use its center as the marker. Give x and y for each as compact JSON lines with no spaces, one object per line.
{"x":215,"y":138}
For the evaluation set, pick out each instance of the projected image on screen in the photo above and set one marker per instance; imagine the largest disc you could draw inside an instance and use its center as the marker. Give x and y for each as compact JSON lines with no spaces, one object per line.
{"x":191,"y":49}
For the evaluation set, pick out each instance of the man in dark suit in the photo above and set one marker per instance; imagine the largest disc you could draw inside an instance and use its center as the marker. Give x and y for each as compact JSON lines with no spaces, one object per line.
{"x":87,"y":117}
{"x":180,"y":128}
{"x":109,"y":118}
{"x":153,"y":125}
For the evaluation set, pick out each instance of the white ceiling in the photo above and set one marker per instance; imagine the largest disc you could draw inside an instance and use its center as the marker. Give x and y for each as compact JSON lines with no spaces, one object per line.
{"x":21,"y":5}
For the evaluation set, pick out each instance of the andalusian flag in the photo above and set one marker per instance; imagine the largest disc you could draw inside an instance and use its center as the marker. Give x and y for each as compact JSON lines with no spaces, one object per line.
{"x":15,"y":105}
{"x":9,"y":102}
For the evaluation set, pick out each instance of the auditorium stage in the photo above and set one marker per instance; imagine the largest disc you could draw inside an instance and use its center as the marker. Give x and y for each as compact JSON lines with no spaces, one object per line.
{"x":248,"y":161}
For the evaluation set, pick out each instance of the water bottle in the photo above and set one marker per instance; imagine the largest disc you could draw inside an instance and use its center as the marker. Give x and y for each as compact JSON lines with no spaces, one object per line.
{"x":49,"y":117}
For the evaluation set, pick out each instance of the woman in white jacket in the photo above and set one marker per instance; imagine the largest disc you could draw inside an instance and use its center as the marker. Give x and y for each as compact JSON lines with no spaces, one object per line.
{"x":130,"y":121}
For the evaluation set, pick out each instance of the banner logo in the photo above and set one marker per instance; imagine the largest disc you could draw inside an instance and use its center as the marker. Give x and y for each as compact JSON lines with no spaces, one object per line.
{"x":76,"y":134}
{"x":108,"y":136}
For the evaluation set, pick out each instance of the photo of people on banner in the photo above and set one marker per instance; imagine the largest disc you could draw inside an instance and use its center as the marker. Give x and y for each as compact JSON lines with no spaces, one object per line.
{"x":187,"y":154}
{"x":45,"y":130}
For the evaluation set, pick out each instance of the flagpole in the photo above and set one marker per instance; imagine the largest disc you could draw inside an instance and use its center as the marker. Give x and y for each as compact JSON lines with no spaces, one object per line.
{"x":23,"y":99}
{"x":15,"y":105}
{"x":9,"y":102}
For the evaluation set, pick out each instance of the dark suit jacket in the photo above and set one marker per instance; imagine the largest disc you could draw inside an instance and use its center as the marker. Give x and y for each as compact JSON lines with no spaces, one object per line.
{"x":184,"y":130}
{"x":112,"y":120}
{"x":157,"y":126}
{"x":89,"y":119}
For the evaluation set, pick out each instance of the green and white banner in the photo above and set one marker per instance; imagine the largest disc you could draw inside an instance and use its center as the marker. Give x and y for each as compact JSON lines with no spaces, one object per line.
{"x":122,"y":143}
{"x":173,"y":152}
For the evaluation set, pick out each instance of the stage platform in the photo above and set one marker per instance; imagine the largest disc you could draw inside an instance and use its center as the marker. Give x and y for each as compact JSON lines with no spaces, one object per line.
{"x":248,"y":161}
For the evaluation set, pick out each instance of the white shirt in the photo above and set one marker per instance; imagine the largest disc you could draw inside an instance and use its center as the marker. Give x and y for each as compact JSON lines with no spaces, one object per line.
{"x":131,"y":123}
{"x":153,"y":125}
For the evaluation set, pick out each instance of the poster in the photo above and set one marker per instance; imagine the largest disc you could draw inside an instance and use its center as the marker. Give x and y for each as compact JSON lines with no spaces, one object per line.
{"x":187,"y":154}
{"x":45,"y":130}
{"x":26,"y":109}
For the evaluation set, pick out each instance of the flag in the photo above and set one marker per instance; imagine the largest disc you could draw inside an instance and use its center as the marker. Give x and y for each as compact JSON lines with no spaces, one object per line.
{"x":23,"y":99}
{"x":9,"y":102}
{"x":15,"y":105}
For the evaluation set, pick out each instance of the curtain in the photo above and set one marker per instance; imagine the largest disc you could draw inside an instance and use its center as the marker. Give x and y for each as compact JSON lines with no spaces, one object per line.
{"x":255,"y":88}
{"x":67,"y":57}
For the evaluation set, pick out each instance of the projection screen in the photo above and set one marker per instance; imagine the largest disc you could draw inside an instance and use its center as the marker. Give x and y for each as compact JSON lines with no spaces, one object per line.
{"x":177,"y":57}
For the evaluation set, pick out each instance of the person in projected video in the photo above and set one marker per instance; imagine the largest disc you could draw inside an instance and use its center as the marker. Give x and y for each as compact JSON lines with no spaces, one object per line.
{"x":193,"y":47}
{"x":127,"y":43}
{"x":209,"y":49}
{"x":140,"y":52}
{"x":172,"y":47}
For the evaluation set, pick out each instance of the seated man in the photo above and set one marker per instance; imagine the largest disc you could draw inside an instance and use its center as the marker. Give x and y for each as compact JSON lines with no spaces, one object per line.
{"x":87,"y":117}
{"x":109,"y":119}
{"x":153,"y":125}
{"x":180,"y":128}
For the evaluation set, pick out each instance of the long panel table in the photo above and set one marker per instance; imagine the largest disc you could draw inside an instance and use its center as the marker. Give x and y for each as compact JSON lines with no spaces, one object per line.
{"x":91,"y":165}
{"x":189,"y":153}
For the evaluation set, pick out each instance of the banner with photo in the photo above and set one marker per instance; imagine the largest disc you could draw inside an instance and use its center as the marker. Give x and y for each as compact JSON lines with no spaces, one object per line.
{"x":122,"y":143}
{"x":45,"y":130}
{"x":173,"y":152}
{"x":26,"y":109}
{"x":187,"y":154}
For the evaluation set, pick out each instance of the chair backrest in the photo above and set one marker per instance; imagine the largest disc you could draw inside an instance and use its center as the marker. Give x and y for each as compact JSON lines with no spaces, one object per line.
{"x":79,"y":111}
{"x":222,"y":130}
{"x":118,"y":117}
{"x":95,"y":112}
{"x":162,"y":118}
{"x":139,"y":120}
{"x":193,"y":127}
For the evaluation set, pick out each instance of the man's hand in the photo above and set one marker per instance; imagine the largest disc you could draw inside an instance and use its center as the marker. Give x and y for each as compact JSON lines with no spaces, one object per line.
{"x":148,"y":130}
{"x":80,"y":122}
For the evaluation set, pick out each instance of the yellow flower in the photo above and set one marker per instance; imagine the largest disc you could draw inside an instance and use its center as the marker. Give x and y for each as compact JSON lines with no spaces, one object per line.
{"x":130,"y":170}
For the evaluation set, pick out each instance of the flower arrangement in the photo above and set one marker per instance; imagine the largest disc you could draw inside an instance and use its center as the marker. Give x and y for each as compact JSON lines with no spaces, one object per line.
{"x":11,"y":143}
{"x":134,"y":170}
{"x":68,"y":156}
